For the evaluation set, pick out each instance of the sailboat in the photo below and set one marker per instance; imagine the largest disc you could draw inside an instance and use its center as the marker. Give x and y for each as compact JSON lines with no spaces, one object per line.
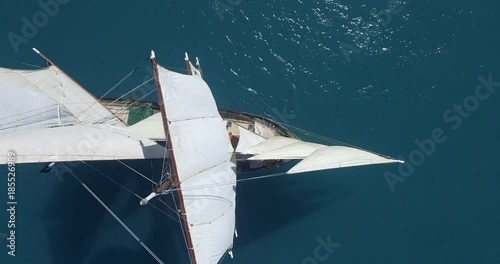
{"x":204,"y":147}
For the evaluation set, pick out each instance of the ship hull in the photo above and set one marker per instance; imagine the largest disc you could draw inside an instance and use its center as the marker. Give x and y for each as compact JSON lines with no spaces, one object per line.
{"x":132,"y":112}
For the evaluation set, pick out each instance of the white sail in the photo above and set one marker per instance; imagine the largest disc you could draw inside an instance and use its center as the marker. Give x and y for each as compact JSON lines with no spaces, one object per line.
{"x":338,"y":157}
{"x":247,"y":140}
{"x":297,"y":150}
{"x":25,"y":109}
{"x":151,"y":127}
{"x":270,"y":144}
{"x":56,"y":85}
{"x":77,"y":143}
{"x":200,"y":148}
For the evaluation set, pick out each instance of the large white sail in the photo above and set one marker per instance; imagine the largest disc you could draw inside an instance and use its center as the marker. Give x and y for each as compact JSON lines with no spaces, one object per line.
{"x":25,"y":109}
{"x":55,"y":84}
{"x":202,"y":160}
{"x":77,"y":143}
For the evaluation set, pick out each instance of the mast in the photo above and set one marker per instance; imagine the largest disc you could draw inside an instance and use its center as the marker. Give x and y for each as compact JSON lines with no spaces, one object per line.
{"x":172,"y":158}
{"x":188,"y":64}
{"x":73,"y":80}
{"x":199,"y":67}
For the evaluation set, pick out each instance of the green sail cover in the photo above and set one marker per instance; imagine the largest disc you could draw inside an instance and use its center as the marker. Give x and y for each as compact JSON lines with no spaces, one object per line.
{"x":137,"y":114}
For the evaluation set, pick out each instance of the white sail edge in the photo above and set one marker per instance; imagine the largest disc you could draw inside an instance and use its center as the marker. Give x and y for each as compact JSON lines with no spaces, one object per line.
{"x":335,"y":157}
{"x":200,"y":144}
{"x":151,"y":127}
{"x":296,"y":150}
{"x":56,"y":84}
{"x":247,"y":139}
{"x":77,"y":143}
{"x":270,"y":145}
{"x":22,"y":109}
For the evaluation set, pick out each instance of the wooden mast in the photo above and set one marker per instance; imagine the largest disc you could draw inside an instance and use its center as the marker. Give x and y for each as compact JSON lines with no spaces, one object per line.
{"x":199,"y":67}
{"x":172,"y":158}
{"x":81,"y":87}
{"x":188,"y":65}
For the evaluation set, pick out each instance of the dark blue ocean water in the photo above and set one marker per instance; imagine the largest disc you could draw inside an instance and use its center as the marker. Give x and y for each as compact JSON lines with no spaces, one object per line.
{"x":285,"y":60}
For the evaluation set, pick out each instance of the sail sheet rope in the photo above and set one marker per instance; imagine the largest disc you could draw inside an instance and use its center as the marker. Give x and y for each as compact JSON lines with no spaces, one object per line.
{"x":125,"y":107}
{"x":329,"y":140}
{"x":133,"y":193}
{"x":105,"y":120}
{"x":176,"y":210}
{"x":127,"y":93}
{"x":117,"y":219}
{"x":117,"y":84}
{"x":15,"y":124}
{"x":179,"y":216}
{"x":132,"y":169}
{"x":33,"y":65}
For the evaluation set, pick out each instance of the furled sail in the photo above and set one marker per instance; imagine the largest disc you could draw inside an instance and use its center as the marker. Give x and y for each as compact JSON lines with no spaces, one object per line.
{"x":338,"y":157}
{"x":77,"y":143}
{"x":297,"y":150}
{"x":270,"y":145}
{"x":199,"y":143}
{"x":56,"y":85}
{"x":315,"y":156}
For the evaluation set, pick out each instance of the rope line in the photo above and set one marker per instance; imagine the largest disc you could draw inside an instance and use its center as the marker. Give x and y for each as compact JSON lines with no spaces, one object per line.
{"x":117,"y":219}
{"x":132,"y":169}
{"x":130,"y":191}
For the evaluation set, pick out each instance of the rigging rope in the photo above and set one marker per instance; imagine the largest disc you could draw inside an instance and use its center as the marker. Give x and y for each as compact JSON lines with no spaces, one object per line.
{"x":117,"y":218}
{"x":120,"y":82}
{"x":232,"y":182}
{"x":182,"y":227}
{"x":331,"y":140}
{"x":133,"y":193}
{"x":116,"y":85}
{"x":132,"y":169}
{"x":32,"y":65}
{"x":129,"y":92}
{"x":125,"y":108}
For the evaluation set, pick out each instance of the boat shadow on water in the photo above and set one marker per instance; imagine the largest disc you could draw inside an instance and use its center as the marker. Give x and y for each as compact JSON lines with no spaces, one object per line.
{"x":80,"y":230}
{"x":267,"y":205}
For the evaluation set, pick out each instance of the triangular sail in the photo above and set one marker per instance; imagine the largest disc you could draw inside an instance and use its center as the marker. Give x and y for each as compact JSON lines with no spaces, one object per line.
{"x":247,"y":139}
{"x":338,"y":157}
{"x":199,"y":145}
